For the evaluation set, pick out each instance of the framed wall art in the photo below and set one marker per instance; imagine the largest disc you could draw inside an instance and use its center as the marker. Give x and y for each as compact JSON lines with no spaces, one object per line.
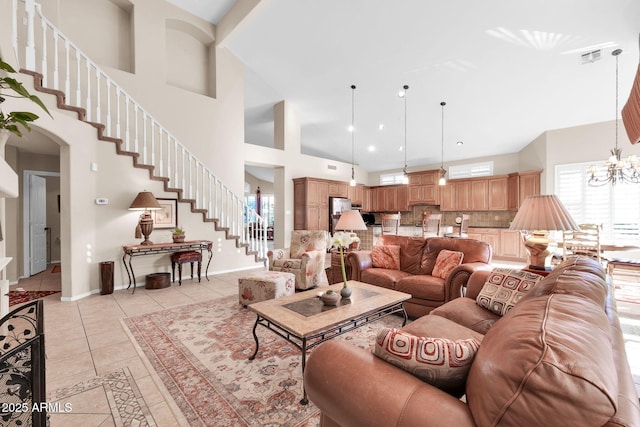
{"x":167,"y":217}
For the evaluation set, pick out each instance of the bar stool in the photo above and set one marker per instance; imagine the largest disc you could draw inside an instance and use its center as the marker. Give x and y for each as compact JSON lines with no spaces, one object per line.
{"x":182,"y":257}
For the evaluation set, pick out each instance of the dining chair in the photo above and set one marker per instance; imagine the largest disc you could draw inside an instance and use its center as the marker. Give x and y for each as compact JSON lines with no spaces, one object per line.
{"x":463,"y":227}
{"x":585,"y":241}
{"x":390,"y":223}
{"x":431,"y":225}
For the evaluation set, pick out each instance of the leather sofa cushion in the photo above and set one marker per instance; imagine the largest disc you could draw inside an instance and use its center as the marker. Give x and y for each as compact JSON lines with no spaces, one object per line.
{"x":437,"y":326}
{"x":410,"y":251}
{"x":423,"y":287}
{"x":464,"y":311}
{"x":564,"y":365}
{"x":474,"y":251}
{"x":387,"y":256}
{"x":382,"y":277}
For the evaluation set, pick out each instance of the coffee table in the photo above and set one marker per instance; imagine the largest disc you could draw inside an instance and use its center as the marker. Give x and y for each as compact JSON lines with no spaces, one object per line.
{"x":304,"y":321}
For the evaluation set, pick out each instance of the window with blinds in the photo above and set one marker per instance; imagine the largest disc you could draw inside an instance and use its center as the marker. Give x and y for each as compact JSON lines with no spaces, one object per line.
{"x":615,"y":208}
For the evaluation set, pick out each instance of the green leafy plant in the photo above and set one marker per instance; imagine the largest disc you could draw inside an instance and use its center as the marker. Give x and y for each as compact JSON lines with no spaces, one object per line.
{"x":178,"y":230}
{"x":10,"y":87}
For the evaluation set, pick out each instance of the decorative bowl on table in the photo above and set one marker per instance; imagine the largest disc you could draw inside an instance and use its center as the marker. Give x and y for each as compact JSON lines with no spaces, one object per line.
{"x":330,"y":298}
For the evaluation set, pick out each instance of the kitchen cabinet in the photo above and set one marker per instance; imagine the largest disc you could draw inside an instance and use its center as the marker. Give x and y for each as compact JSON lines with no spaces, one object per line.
{"x":338,"y":189}
{"x":423,"y":188}
{"x":356,"y":194}
{"x":521,"y":185}
{"x":389,"y":198}
{"x":310,"y":204}
{"x":489,"y":235}
{"x":497,"y":193}
{"x":462,"y":195}
{"x":479,"y":195}
{"x":366,"y":200}
{"x":448,"y":197}
{"x":512,"y":245}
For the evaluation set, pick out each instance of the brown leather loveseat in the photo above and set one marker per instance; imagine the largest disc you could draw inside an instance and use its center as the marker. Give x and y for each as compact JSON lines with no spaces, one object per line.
{"x":557,"y":358}
{"x":417,"y":260}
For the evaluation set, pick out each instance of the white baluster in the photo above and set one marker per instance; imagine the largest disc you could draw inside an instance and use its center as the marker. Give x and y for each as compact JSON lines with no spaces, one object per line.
{"x":67,"y":80}
{"x":175,"y":160}
{"x":98,"y":109}
{"x":109,"y":132}
{"x":56,"y":62}
{"x":14,"y":28}
{"x":161,"y":152}
{"x":136,"y":146}
{"x":144,"y":137}
{"x":126,"y":123}
{"x":153,"y":140}
{"x":78,"y":80}
{"x":118,"y":113}
{"x":88,"y":105}
{"x":30,"y":48}
{"x":45,"y":70}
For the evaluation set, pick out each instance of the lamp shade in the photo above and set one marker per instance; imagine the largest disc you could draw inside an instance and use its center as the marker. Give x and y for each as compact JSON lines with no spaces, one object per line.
{"x":350,"y":220}
{"x":545,"y":212}
{"x":145,"y":200}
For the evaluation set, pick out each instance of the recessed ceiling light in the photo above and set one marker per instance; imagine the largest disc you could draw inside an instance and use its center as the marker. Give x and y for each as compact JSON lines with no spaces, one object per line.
{"x":380,"y":126}
{"x":371,"y":148}
{"x":459,"y":143}
{"x":401,"y":148}
{"x":350,"y":128}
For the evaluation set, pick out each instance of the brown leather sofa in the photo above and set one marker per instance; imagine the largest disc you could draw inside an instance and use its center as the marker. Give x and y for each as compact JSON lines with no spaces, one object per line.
{"x":417,"y":259}
{"x":556,"y":359}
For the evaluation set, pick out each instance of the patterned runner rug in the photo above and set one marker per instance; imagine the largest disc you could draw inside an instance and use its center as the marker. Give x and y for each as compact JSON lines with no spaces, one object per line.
{"x":18,"y":297}
{"x":201,"y":351}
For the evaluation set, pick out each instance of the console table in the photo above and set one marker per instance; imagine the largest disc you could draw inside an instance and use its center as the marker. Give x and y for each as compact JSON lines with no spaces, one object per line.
{"x":131,"y":251}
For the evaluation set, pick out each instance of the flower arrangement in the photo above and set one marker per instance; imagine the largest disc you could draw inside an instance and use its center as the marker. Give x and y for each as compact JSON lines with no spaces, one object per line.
{"x":342,"y":240}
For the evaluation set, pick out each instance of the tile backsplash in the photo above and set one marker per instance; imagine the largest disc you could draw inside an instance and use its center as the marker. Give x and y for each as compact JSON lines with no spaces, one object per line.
{"x":478,"y":218}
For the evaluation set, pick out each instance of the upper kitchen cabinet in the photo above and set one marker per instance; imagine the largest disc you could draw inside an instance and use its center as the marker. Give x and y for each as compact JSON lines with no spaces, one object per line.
{"x":356,"y":194}
{"x":423,"y":188}
{"x":521,"y":185}
{"x":310,"y":204}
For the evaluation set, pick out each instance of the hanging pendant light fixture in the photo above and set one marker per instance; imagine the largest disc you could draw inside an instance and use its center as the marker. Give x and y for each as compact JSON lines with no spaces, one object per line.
{"x":403,"y":94}
{"x":443,"y":172}
{"x":616,"y":169}
{"x":353,"y":131}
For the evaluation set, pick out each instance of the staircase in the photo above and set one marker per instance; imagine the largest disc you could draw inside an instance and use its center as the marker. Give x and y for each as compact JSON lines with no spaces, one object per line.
{"x":55,"y":62}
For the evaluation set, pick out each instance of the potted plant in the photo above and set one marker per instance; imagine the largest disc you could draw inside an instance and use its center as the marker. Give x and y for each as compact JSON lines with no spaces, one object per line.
{"x":178,"y":235}
{"x":10,"y":87}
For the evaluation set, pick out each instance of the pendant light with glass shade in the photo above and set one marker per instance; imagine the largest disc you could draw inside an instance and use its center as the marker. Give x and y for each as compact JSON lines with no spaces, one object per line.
{"x":403,"y":94}
{"x":352,"y":128}
{"x":443,"y":172}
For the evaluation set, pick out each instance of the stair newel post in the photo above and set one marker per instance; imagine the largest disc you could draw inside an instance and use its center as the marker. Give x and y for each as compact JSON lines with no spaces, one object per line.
{"x":56,"y":61}
{"x":30,"y":48}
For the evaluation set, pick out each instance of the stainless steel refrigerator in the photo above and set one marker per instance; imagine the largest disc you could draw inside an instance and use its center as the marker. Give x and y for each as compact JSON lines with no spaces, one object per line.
{"x":337,"y":205}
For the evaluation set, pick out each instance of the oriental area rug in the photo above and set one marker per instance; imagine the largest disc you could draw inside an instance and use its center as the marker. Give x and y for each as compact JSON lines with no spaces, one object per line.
{"x":201,"y":351}
{"x":18,"y":297}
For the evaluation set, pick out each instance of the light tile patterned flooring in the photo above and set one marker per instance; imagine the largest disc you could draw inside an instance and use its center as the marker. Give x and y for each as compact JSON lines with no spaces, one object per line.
{"x":91,"y":362}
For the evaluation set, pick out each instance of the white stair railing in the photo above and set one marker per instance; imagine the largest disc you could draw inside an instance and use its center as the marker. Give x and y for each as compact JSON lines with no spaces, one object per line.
{"x":45,"y":49}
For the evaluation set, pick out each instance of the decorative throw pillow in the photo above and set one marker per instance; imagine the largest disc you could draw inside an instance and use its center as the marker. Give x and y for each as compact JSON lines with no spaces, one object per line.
{"x":445,"y":262}
{"x":504,"y":288}
{"x":441,"y":362}
{"x":386,"y":256}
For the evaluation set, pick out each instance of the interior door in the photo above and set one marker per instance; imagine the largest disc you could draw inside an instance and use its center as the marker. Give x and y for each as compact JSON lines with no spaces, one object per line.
{"x":37,"y":224}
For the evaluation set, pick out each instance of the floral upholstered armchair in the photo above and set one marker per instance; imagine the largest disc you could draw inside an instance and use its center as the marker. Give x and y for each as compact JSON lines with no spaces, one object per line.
{"x":304,"y":258}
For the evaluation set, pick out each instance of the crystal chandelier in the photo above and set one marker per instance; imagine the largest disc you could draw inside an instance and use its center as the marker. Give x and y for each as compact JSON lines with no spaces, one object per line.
{"x":616,"y":169}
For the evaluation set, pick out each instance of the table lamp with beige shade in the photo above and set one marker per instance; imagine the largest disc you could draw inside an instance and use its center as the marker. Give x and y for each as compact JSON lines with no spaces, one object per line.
{"x":351,"y":220}
{"x":145,"y":201}
{"x":538,"y":215}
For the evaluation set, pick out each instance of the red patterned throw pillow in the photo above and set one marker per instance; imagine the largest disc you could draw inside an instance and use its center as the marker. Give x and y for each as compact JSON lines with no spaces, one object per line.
{"x":386,"y":256}
{"x":441,"y":362}
{"x":504,"y":288}
{"x":447,"y":260}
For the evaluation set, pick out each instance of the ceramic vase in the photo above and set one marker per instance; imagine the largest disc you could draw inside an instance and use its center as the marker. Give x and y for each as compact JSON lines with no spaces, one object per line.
{"x":330,"y":298}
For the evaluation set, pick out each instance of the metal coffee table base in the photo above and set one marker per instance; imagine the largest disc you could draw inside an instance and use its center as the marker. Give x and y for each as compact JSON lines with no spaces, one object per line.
{"x":307,"y":343}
